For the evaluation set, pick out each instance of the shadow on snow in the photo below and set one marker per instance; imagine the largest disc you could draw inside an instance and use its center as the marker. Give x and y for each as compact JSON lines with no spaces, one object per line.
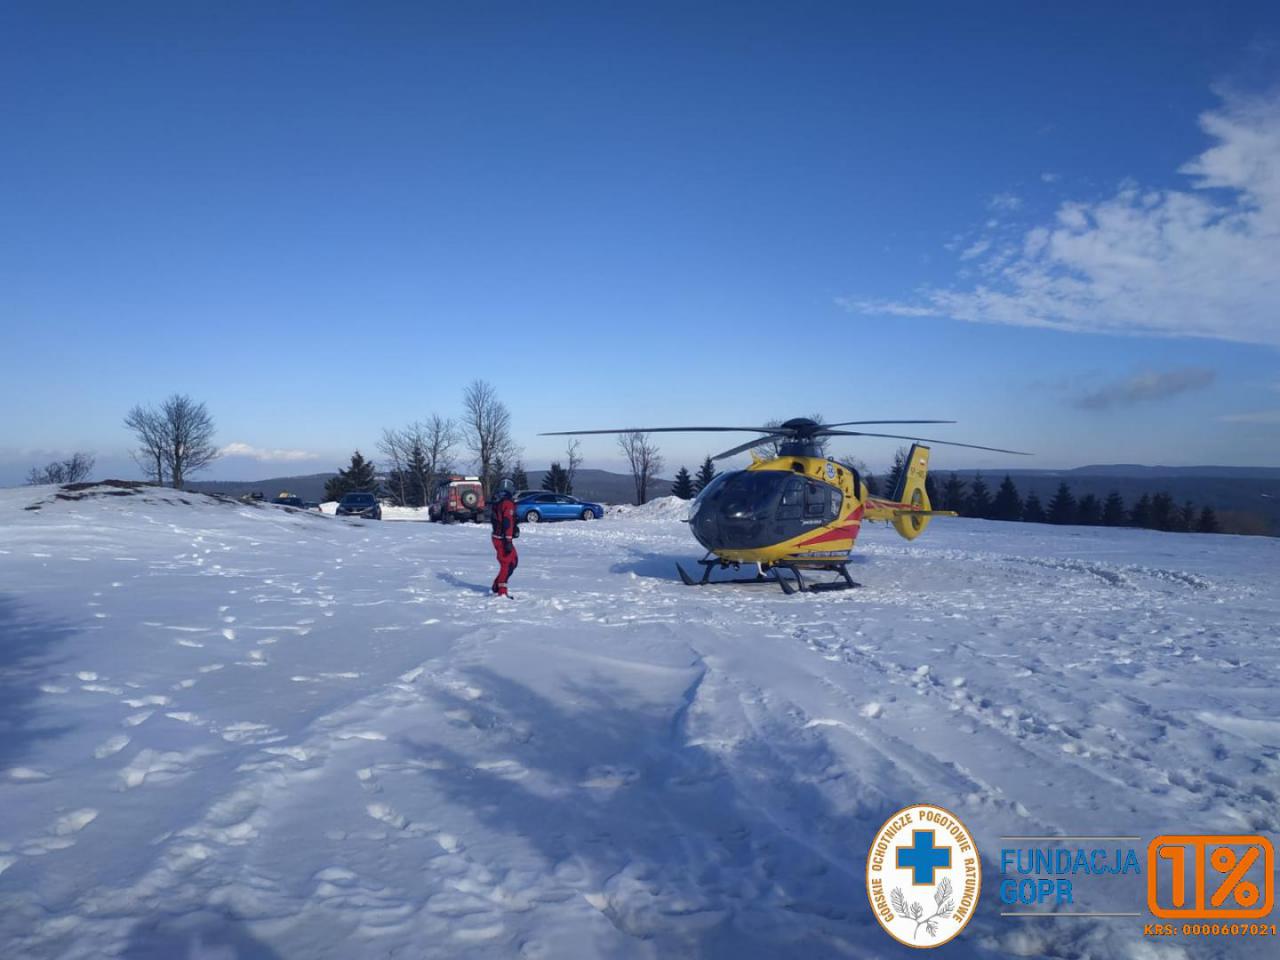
{"x":695,"y":848}
{"x":26,"y":661}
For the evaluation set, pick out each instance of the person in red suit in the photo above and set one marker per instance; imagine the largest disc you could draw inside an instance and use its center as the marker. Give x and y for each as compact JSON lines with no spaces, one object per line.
{"x":505,"y":531}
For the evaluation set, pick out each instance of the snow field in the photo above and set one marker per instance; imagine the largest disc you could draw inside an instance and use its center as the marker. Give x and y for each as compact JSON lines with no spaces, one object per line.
{"x":251,"y":732}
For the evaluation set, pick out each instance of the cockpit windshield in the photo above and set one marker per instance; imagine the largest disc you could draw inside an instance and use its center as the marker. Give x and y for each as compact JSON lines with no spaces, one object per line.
{"x":749,"y":495}
{"x":752,"y":508}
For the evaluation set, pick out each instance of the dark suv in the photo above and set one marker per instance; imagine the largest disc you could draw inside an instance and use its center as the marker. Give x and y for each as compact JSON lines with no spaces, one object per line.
{"x":360,"y":505}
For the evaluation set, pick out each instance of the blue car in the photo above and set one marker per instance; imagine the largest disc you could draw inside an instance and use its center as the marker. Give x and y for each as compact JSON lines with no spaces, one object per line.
{"x":538,"y":507}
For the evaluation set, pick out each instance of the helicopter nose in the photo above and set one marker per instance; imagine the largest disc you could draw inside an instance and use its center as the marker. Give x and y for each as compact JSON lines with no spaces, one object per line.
{"x":702,"y":523}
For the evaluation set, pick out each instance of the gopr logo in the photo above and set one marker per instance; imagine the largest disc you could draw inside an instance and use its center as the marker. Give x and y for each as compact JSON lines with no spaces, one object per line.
{"x":924,"y":876}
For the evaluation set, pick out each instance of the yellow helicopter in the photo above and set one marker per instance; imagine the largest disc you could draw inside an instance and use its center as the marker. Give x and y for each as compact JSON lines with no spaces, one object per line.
{"x":799,"y":510}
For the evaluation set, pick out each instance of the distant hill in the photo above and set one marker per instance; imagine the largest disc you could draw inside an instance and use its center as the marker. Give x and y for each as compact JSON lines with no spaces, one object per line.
{"x":309,"y":487}
{"x":604,"y":486}
{"x":600,"y":485}
{"x":1246,"y":499}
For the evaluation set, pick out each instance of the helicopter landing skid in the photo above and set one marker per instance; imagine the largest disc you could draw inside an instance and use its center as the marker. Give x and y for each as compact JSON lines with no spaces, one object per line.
{"x":845,"y":582}
{"x":708,"y":564}
{"x":789,"y":585}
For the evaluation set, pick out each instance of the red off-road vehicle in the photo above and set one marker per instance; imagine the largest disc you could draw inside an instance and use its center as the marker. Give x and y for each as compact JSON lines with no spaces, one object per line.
{"x":457,"y":499}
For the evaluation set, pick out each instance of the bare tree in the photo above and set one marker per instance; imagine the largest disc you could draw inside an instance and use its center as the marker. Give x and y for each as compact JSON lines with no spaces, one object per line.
{"x":575,"y":461}
{"x":189,"y":429}
{"x":486,"y":427}
{"x":644,"y":458}
{"x":148,"y":426}
{"x":396,"y":447}
{"x":74,"y":469}
{"x":418,"y":455}
{"x":175,"y":441}
{"x":439,"y":439}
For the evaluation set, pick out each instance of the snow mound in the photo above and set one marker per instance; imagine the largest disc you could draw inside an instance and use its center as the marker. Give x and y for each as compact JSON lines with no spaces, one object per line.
{"x":103,"y":489}
{"x":661,"y":508}
{"x":404,"y":513}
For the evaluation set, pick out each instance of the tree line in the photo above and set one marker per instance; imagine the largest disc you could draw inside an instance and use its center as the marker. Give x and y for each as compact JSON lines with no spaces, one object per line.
{"x":1156,"y":511}
{"x":425,"y":452}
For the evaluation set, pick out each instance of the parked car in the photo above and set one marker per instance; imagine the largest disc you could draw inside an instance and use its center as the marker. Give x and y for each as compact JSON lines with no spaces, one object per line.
{"x":457,"y":498}
{"x":556,"y":506}
{"x":289,"y":500}
{"x":360,"y":505}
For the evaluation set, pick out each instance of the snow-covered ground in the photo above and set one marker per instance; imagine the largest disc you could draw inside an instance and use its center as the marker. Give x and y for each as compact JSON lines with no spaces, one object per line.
{"x":239,"y":731}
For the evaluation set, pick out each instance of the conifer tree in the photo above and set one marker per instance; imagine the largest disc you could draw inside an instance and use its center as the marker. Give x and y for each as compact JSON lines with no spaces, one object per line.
{"x":953,"y":493}
{"x":979,"y":502}
{"x":359,"y":477}
{"x":1032,"y":511}
{"x":1089,"y":511}
{"x":682,"y":487}
{"x":1208,"y":522}
{"x":1140,"y":515}
{"x":1113,"y":512}
{"x":931,"y":489}
{"x":1062,"y":508}
{"x":1163,"y":512}
{"x":1187,"y":518}
{"x":418,"y":471}
{"x":1007,"y":504}
{"x":895,"y":472}
{"x":556,"y":479}
{"x":497,"y":470}
{"x":519,"y":477}
{"x":706,"y":473}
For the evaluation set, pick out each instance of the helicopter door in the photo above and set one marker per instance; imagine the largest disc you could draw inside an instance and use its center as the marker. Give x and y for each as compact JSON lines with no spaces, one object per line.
{"x":822,"y":502}
{"x":791,"y":506}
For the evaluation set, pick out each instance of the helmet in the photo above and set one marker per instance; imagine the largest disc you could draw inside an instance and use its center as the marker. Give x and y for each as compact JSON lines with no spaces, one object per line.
{"x":506,"y":488}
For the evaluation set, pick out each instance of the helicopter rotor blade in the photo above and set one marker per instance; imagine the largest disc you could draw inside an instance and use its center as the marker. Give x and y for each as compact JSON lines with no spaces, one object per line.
{"x":575,"y":433}
{"x":775,"y":428}
{"x":744,"y":447}
{"x":856,"y":423}
{"x":949,"y":443}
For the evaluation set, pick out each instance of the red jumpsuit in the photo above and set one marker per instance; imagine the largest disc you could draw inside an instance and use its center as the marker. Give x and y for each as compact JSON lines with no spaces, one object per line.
{"x":505,"y":531}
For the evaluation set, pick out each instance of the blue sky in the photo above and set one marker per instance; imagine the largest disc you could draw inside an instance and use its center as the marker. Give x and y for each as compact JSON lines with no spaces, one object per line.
{"x":1056,"y":227}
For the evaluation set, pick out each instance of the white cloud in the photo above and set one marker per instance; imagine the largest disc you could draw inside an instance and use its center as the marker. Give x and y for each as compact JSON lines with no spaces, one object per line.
{"x":1008,"y":202}
{"x":257,"y":453}
{"x":1259,"y":416}
{"x":975,"y":249}
{"x":1050,"y":177}
{"x":1198,"y":262}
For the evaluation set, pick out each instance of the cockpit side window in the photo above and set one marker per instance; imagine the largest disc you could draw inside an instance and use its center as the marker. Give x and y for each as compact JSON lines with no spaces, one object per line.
{"x":791,"y":506}
{"x":821,"y":501}
{"x":835,"y":500}
{"x":815,"y":500}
